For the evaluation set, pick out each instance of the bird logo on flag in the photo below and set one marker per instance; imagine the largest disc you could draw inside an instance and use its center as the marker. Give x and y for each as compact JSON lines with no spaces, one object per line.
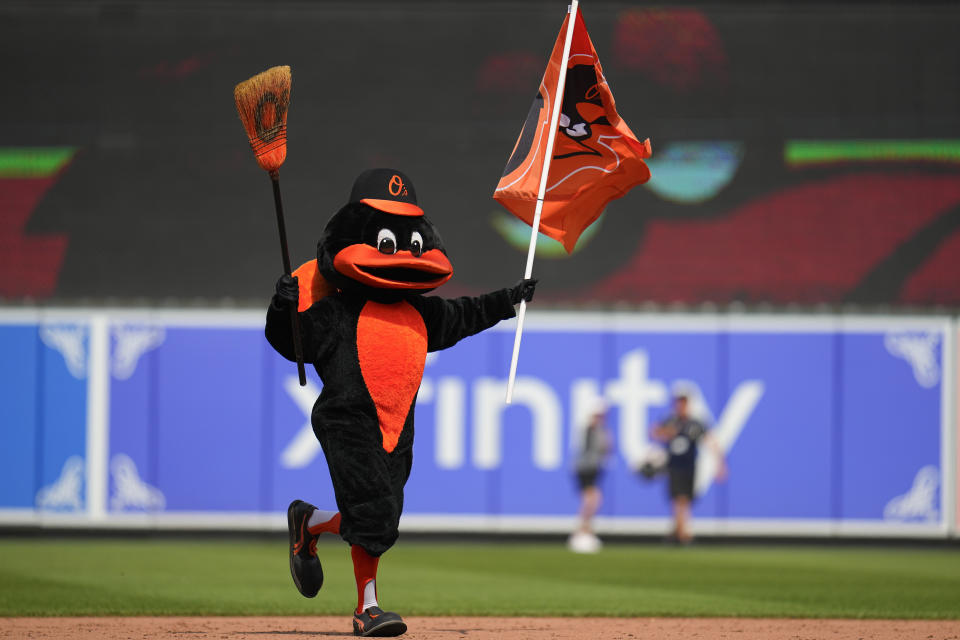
{"x":596,"y":157}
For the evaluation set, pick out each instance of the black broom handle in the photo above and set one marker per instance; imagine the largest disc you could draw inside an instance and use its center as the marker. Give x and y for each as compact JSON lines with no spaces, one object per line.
{"x":294,"y":314}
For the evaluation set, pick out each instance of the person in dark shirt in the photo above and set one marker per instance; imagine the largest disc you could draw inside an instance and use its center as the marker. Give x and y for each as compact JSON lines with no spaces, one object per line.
{"x":682,"y":434}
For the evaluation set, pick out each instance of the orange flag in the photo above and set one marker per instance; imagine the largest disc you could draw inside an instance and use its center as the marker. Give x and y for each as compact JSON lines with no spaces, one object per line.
{"x":596,"y":157}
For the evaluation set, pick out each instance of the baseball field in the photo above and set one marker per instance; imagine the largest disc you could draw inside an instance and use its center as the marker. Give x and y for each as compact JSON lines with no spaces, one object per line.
{"x":148,"y":588}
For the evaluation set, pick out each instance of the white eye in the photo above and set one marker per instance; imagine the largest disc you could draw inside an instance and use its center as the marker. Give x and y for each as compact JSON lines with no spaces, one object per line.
{"x":387,"y":242}
{"x":416,"y":243}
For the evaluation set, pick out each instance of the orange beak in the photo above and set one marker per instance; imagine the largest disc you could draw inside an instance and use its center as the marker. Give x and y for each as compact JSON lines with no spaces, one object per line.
{"x":401,"y":270}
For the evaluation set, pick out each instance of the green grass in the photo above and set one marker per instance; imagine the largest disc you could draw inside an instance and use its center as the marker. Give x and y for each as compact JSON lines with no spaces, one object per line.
{"x":145,"y":577}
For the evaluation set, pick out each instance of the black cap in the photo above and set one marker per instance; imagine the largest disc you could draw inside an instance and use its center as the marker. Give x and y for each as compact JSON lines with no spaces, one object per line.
{"x":387,"y":190}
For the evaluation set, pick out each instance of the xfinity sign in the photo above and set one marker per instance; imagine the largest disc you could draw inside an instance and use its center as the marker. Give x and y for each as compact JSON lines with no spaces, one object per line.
{"x":829,"y":424}
{"x":631,"y":397}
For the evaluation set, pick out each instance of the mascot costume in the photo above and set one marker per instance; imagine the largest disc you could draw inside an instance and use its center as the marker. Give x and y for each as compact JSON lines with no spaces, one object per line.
{"x":366,"y":327}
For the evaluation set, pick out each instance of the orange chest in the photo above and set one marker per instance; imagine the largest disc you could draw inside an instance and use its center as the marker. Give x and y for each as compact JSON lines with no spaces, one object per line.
{"x":392,"y":349}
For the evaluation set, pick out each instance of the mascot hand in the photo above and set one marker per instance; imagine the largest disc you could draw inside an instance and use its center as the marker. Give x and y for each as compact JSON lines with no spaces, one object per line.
{"x":288,"y":289}
{"x":523,"y":290}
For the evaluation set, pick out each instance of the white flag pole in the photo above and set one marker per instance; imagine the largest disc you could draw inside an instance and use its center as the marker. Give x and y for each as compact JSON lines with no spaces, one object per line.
{"x":545,"y":173}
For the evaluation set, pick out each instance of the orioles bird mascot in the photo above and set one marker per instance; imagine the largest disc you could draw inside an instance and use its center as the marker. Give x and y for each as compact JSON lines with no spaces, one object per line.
{"x":367,"y":327}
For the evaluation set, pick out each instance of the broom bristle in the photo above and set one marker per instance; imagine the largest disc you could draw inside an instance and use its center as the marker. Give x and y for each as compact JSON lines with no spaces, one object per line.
{"x":262,"y":103}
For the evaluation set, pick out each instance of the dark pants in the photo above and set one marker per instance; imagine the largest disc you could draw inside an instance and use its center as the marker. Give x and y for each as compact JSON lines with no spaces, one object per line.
{"x":681,"y":482}
{"x":587,"y":478}
{"x":368,"y":484}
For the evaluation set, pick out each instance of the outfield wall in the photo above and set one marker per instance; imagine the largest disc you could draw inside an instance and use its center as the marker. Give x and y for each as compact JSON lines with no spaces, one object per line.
{"x":833,"y":425}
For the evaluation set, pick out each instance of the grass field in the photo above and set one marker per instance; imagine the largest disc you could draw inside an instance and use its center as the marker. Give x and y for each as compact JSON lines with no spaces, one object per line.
{"x":173,"y":577}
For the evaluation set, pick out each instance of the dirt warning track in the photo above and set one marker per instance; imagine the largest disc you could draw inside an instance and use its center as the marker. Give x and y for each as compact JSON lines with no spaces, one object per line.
{"x":481,"y":628}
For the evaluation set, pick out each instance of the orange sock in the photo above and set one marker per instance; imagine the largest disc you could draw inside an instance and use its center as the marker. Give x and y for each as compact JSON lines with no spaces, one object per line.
{"x":365,"y":571}
{"x":331,"y":525}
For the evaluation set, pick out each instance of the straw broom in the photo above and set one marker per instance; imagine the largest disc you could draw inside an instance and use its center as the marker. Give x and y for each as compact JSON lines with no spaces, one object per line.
{"x":262,"y":103}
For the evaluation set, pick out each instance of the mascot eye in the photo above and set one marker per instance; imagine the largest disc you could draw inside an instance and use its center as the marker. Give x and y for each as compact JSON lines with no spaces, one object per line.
{"x":386,"y":242}
{"x":416,"y":243}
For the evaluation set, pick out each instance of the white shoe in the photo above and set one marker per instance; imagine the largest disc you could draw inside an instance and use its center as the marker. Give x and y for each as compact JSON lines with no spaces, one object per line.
{"x":581,"y":542}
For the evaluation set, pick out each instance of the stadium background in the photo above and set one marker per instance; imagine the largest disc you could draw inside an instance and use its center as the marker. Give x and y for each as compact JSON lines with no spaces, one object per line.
{"x":801,"y":229}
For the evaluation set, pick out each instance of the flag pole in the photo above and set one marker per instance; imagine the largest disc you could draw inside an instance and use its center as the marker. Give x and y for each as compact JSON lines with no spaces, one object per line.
{"x":545,"y":173}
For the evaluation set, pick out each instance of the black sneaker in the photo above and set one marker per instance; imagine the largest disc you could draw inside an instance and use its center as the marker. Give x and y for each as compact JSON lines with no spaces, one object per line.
{"x":377,"y":623}
{"x":304,"y":564}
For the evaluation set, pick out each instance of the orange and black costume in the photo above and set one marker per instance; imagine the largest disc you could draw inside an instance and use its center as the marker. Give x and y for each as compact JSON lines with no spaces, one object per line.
{"x":367,"y":333}
{"x":370,"y":357}
{"x":366,"y":327}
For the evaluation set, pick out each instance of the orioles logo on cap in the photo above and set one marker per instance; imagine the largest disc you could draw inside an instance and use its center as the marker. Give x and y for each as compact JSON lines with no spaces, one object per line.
{"x":396,"y":186}
{"x":388,"y":190}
